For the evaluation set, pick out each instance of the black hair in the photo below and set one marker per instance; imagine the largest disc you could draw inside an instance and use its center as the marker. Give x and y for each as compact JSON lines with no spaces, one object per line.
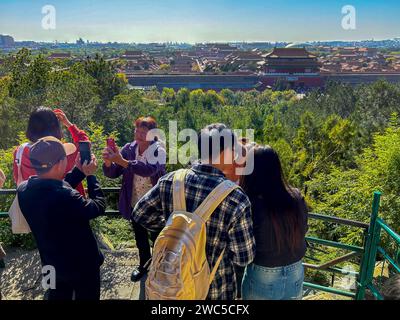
{"x":42,"y":123}
{"x":216,"y":132}
{"x":280,"y":201}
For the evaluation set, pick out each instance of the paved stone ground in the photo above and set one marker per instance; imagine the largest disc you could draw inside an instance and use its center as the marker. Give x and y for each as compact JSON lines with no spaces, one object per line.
{"x":21,"y":280}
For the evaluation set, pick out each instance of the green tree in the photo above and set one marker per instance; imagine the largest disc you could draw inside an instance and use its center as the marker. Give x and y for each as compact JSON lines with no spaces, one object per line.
{"x":168,"y":95}
{"x":29,"y":80}
{"x":75,"y":92}
{"x":109,"y":84}
{"x":306,"y":145}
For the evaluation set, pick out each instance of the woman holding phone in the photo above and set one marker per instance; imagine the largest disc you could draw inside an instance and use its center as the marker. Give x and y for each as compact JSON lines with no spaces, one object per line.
{"x":139,"y":174}
{"x":45,"y":122}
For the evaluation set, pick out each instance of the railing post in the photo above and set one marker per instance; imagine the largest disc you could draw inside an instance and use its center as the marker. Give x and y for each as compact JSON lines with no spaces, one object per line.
{"x":370,"y":250}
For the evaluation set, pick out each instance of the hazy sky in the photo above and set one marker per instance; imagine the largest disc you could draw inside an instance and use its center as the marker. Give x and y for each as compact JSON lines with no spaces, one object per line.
{"x":199,"y":21}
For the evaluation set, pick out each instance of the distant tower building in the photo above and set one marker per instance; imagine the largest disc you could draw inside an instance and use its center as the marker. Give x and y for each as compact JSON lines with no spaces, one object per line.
{"x":6,"y":41}
{"x":292,"y":67}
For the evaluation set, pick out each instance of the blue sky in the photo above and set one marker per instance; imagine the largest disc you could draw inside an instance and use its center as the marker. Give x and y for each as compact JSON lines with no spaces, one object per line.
{"x":199,"y":21}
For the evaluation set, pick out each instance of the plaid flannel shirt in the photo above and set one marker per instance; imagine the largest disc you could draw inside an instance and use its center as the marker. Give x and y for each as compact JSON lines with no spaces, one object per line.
{"x":230,"y":226}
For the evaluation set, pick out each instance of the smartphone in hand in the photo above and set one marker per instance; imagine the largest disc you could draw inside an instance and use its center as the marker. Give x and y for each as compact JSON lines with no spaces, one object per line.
{"x":111,"y":144}
{"x":85,"y":151}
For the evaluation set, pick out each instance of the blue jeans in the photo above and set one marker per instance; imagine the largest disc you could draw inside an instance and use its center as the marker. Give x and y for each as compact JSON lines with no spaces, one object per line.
{"x":281,"y":283}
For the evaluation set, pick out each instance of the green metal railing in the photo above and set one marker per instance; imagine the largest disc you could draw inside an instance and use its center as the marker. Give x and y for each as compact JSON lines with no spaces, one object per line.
{"x":367,"y":254}
{"x":329,"y":267}
{"x":378,"y":230}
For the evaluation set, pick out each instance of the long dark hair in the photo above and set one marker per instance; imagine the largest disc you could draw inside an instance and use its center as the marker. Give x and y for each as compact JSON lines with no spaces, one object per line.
{"x":279,"y":201}
{"x":42,"y":123}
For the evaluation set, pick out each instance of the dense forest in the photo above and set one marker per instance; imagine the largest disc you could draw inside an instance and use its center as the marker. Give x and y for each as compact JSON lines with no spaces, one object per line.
{"x":337,"y":145}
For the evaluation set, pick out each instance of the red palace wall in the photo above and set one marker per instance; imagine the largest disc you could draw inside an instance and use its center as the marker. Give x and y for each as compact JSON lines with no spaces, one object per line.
{"x":309,"y":81}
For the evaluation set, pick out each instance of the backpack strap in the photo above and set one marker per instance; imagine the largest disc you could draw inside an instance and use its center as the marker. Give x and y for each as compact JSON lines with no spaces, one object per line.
{"x":178,"y":191}
{"x":19,"y":153}
{"x":208,"y":206}
{"x":18,"y":160}
{"x":214,"y":270}
{"x":214,"y":199}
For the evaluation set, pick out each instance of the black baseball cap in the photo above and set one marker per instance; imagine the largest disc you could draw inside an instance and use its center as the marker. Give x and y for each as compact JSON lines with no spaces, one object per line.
{"x":49,"y":151}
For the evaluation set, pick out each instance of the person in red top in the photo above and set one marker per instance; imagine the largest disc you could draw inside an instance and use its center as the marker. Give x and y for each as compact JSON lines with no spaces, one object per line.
{"x":45,"y":122}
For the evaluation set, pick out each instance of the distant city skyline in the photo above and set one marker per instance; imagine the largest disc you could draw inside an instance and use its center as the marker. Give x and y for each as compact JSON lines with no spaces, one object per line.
{"x":144,"y":21}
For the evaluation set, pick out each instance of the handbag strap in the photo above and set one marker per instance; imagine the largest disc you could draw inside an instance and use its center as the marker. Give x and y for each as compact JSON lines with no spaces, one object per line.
{"x":18,"y":160}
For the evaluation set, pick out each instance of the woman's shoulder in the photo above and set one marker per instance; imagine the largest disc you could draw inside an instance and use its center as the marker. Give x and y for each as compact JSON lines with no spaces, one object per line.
{"x":128,"y":147}
{"x":22,"y":152}
{"x":296,"y":193}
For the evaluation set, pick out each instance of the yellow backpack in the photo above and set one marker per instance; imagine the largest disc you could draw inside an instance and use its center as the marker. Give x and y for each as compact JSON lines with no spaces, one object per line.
{"x":179,"y":268}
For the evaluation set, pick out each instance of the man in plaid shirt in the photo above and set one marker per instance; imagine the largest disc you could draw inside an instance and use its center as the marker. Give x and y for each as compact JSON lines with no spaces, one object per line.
{"x":230,"y":226}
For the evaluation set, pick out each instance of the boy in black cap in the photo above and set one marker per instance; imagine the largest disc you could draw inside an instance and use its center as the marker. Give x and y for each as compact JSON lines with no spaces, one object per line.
{"x":59,"y":218}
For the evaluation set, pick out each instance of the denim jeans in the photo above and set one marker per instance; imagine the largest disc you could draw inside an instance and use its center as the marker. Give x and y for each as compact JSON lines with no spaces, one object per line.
{"x":281,"y":283}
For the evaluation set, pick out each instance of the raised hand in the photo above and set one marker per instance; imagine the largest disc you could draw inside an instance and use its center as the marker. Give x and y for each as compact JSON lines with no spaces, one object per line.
{"x":106,"y":159}
{"x":62,"y":118}
{"x":89,"y":169}
{"x":114,"y":156}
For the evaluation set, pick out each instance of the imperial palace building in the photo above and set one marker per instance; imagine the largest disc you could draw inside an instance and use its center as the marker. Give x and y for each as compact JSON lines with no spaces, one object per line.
{"x":293,"y":68}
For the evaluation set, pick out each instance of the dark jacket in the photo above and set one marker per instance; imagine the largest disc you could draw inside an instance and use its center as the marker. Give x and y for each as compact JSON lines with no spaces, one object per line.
{"x":59,"y":217}
{"x":154,"y":171}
